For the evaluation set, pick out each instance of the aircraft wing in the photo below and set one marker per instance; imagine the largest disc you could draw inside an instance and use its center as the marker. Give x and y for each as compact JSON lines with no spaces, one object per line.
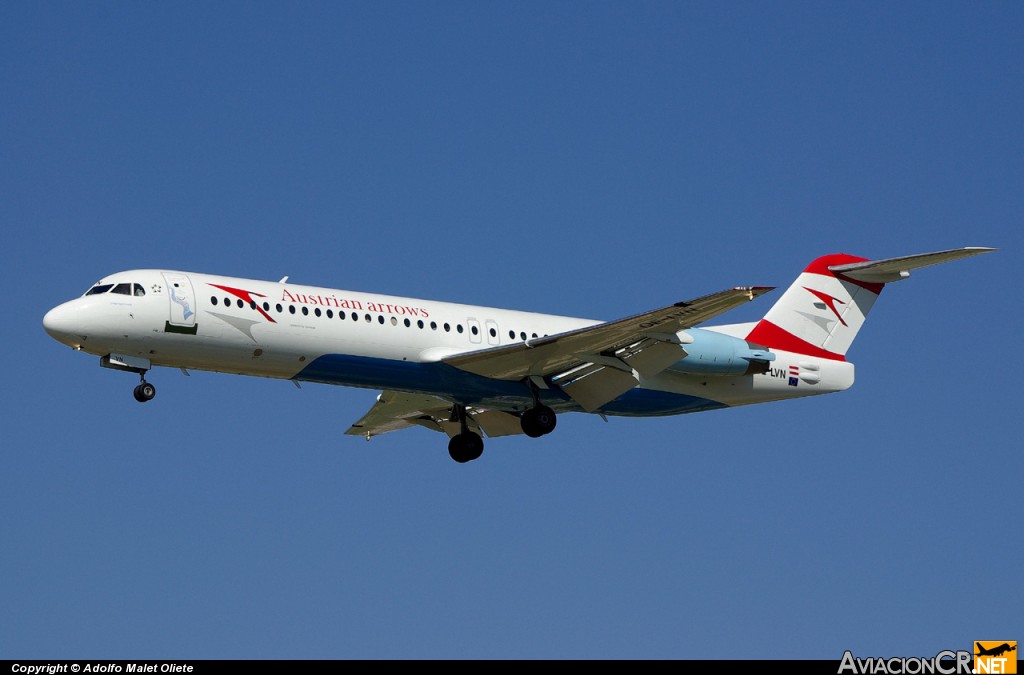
{"x":596,"y":364}
{"x":555,"y":353}
{"x":396,"y":410}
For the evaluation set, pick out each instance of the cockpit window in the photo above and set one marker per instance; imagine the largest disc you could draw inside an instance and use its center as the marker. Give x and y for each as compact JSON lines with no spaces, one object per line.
{"x":99,"y":288}
{"x":139,"y":291}
{"x":123,"y":289}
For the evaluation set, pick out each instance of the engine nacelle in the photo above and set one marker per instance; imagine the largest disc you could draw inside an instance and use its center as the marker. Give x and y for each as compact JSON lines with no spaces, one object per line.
{"x":711,"y":353}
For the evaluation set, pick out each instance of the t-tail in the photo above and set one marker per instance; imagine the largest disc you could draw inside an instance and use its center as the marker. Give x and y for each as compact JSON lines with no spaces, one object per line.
{"x":822,"y":311}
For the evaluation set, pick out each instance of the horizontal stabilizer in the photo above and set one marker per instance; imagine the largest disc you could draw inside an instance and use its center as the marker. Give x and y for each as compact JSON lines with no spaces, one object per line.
{"x":896,"y":269}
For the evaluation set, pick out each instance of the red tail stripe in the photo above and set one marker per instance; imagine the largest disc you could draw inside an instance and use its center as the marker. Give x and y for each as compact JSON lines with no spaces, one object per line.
{"x":768,"y":334}
{"x":821,"y":266}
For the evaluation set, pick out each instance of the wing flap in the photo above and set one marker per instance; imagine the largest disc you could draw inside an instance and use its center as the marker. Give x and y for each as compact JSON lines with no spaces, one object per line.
{"x":497,"y":423}
{"x":593,"y":385}
{"x":654,"y":357}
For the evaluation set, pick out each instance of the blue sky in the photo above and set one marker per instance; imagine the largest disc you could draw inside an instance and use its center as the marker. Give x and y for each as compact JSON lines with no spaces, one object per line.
{"x":592,"y":159}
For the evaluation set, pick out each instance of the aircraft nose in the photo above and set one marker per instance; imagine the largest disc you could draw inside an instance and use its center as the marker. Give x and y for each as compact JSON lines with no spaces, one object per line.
{"x":60,"y":326}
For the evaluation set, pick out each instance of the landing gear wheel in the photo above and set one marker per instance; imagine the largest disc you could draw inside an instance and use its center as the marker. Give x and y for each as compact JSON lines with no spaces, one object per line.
{"x":538,"y":421}
{"x":144,"y":392}
{"x":466,"y":447}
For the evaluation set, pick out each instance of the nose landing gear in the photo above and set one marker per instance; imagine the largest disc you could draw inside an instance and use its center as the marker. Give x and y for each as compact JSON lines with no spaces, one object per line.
{"x":132,"y":364}
{"x":144,"y":391}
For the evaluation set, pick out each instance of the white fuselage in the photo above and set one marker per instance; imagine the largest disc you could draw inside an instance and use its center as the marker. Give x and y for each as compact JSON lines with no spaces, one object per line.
{"x":283,"y":330}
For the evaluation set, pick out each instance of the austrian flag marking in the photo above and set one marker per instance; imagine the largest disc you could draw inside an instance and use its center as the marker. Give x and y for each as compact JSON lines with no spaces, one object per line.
{"x":794,"y":375}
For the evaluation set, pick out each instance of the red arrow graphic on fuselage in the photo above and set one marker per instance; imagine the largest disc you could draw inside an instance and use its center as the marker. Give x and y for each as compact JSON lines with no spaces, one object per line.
{"x":247,"y":297}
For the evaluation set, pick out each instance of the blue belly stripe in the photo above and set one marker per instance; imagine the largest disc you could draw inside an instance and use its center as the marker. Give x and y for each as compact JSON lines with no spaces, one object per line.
{"x":447,"y":382}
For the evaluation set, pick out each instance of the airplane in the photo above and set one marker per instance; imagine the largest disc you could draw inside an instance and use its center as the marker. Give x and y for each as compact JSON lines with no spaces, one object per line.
{"x":470,"y":371}
{"x":994,"y":651}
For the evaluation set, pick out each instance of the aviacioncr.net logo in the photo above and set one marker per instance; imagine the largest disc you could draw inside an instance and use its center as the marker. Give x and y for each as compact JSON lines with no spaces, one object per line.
{"x":946,"y":662}
{"x":995,"y":656}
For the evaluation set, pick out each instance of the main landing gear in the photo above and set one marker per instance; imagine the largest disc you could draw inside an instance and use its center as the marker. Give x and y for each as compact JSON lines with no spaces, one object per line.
{"x":144,"y":391}
{"x":466,"y":445}
{"x":538,"y":421}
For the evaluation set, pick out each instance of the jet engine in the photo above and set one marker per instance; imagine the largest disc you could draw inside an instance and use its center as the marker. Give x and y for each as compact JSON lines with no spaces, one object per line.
{"x":711,"y":353}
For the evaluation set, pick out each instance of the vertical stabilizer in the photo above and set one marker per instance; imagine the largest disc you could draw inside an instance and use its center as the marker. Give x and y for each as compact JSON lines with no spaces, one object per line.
{"x":820,"y":313}
{"x":823,"y":310}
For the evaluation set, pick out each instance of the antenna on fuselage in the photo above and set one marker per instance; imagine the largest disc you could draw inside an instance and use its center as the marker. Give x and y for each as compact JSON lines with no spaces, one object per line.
{"x":283,"y":280}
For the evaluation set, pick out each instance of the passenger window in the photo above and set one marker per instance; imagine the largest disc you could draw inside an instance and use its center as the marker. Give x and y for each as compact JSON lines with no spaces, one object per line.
{"x":317,"y":311}
{"x":330,"y":314}
{"x":493,"y":333}
{"x":139,"y":290}
{"x":420,"y":323}
{"x":213,"y":301}
{"x":447,"y":328}
{"x":459,"y":328}
{"x":380,"y":319}
{"x":407,"y":323}
{"x":476,"y":331}
{"x":305,"y":311}
{"x":278,"y":307}
{"x":122,"y":289}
